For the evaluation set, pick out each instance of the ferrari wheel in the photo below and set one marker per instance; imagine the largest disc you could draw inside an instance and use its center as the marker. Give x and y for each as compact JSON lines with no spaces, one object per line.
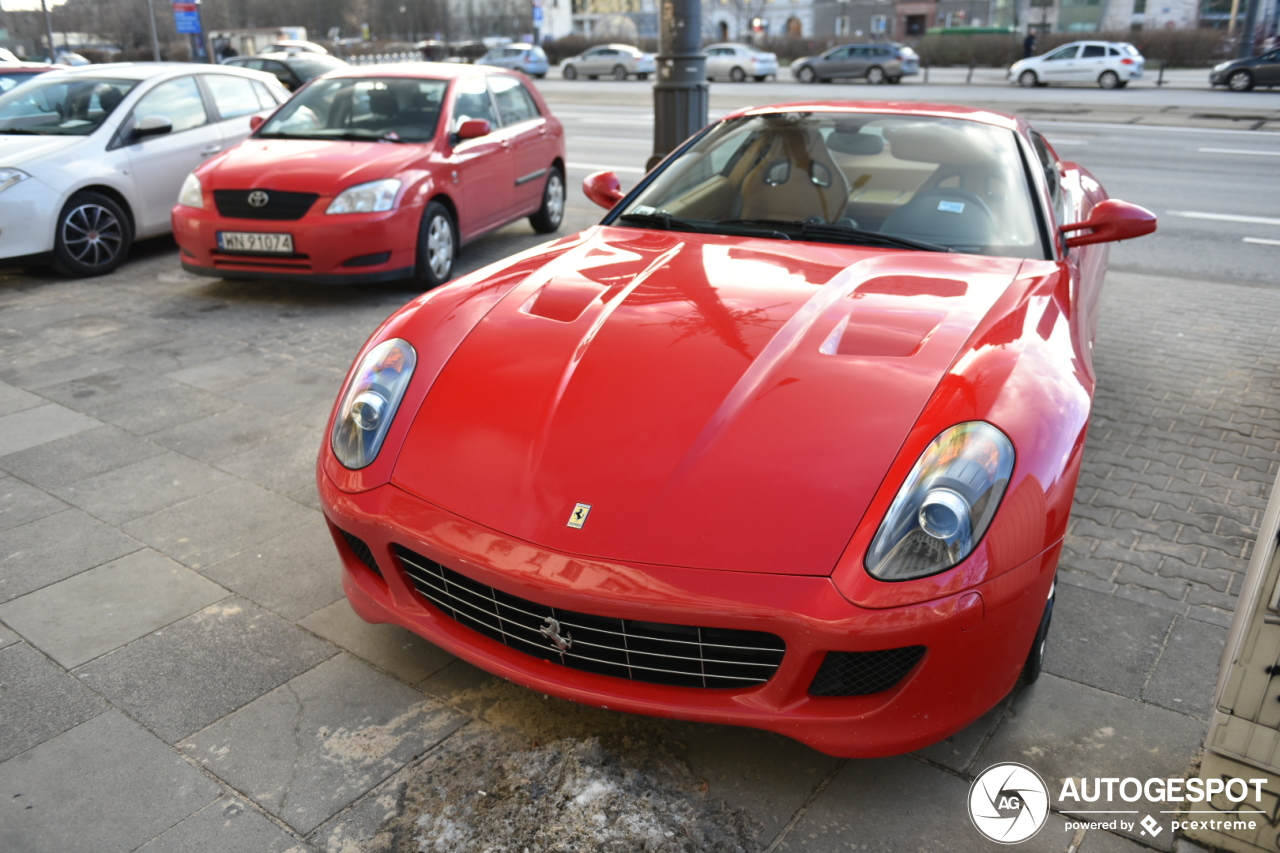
{"x":1028,"y":80}
{"x":619,"y":73}
{"x":875,"y":75}
{"x":1108,"y":80}
{"x":1035,"y":659}
{"x":806,"y":75}
{"x":92,"y":236}
{"x":570,"y":73}
{"x":551,"y":214}
{"x":737,"y":75}
{"x":437,"y":246}
{"x":1240,"y":81}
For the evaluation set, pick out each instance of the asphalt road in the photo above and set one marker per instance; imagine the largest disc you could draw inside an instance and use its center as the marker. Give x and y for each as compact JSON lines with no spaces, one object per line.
{"x":1216,"y":191}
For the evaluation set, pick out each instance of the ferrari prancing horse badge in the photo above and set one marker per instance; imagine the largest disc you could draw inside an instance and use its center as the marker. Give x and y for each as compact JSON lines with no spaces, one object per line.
{"x":579,"y":515}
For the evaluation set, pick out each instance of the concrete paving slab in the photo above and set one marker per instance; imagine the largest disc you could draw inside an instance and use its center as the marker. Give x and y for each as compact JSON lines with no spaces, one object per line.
{"x":317,"y":743}
{"x":144,"y":487}
{"x":388,"y":647}
{"x":302,"y":386}
{"x":232,"y":371}
{"x":283,"y":465}
{"x":1184,"y":678}
{"x":212,"y":527}
{"x":227,"y":825}
{"x":224,"y":434}
{"x":958,"y":751}
{"x":14,"y":399}
{"x":88,"y":615}
{"x":78,"y":457}
{"x":180,"y":679}
{"x":1104,"y":641}
{"x":7,"y":637}
{"x":166,"y":404}
{"x":56,"y":547}
{"x":308,"y":495}
{"x":293,"y":574}
{"x":1060,"y":728}
{"x":21,"y":503}
{"x":186,"y":351}
{"x":896,"y":804}
{"x":38,"y":701}
{"x":34,"y":367}
{"x":105,"y":786}
{"x":33,"y":427}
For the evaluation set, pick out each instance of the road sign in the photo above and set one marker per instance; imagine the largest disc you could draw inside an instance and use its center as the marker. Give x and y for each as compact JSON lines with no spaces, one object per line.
{"x":537,"y":16}
{"x":186,"y":18}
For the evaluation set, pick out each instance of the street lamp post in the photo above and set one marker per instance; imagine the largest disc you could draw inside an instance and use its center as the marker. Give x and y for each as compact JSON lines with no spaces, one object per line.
{"x":48,"y":31}
{"x":680,"y":91}
{"x":1245,"y":50}
{"x":155,"y":39}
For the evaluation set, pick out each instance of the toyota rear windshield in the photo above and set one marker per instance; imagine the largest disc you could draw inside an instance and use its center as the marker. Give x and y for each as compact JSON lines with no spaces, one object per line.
{"x":377,"y":109}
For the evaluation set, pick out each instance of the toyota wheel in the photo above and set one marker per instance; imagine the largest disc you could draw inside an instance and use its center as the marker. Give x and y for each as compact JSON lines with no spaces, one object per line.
{"x":437,"y":246}
{"x":551,"y":214}
{"x":92,"y":236}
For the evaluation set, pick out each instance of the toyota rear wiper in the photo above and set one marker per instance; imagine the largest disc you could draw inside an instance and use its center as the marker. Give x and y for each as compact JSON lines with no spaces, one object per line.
{"x":847,"y":233}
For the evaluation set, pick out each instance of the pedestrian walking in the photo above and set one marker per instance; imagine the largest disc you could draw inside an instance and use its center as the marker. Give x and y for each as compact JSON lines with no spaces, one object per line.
{"x":1029,"y":45}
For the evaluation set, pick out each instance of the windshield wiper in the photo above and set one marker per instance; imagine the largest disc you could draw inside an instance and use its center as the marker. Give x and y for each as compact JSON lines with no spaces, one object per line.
{"x":822,"y":230}
{"x":664,"y":221}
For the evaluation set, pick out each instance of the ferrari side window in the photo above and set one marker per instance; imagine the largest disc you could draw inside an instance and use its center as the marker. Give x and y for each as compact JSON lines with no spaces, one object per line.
{"x":1049,"y":164}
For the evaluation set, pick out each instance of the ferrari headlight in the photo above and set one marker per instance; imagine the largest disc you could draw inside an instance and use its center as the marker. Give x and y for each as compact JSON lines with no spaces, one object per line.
{"x":370,"y":401}
{"x":9,"y":177}
{"x":945,"y":505}
{"x":191,"y":194}
{"x":372,"y":197}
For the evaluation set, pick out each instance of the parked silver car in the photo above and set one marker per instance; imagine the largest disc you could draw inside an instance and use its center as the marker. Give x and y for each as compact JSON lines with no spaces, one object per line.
{"x":530,"y":59}
{"x":740,"y":61}
{"x":876,"y":63}
{"x":618,"y":61}
{"x":1110,"y":64}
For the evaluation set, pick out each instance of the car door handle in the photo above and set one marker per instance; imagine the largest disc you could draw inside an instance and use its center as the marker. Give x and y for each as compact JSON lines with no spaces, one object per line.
{"x":211,"y":150}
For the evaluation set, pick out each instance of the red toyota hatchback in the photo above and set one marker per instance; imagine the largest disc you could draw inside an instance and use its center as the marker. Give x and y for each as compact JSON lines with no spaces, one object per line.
{"x":376,"y":174}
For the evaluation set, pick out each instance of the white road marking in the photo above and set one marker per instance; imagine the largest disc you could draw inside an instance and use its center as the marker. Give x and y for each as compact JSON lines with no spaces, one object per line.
{"x":613,"y":140}
{"x":595,"y":167}
{"x":1261,"y":241}
{"x":1239,"y":151}
{"x":1225,"y":217}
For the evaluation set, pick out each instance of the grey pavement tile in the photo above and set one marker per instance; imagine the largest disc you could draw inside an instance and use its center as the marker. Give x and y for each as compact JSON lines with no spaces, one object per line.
{"x":7,"y":637}
{"x":232,"y":371}
{"x":180,"y":679}
{"x":293,"y":574}
{"x":78,"y":457}
{"x":91,"y":393}
{"x":1104,"y":641}
{"x":37,"y":367}
{"x":185,"y":351}
{"x":212,"y":527}
{"x":1185,"y":677}
{"x":142,"y":407}
{"x":143,"y":487}
{"x":88,"y":615}
{"x":41,"y":313}
{"x":388,"y":647}
{"x":120,"y":343}
{"x":104,"y":786}
{"x":320,"y":741}
{"x":224,"y":434}
{"x":1060,"y":728}
{"x":56,"y":547}
{"x":308,"y":495}
{"x":21,"y":503}
{"x":33,"y":427}
{"x":894,"y":804}
{"x":228,"y":825}
{"x":300,"y":386}
{"x":14,"y":399}
{"x":38,"y":701}
{"x":958,"y":751}
{"x":285,"y":464}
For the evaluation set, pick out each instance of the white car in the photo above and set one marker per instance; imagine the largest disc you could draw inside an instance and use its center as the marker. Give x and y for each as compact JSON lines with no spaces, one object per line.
{"x":740,"y":61}
{"x":8,"y":56}
{"x":618,"y":61}
{"x":92,"y":158}
{"x":1110,"y":64}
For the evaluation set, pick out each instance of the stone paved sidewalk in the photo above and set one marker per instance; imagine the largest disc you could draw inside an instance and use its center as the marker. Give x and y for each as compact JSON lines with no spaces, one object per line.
{"x":180,"y":672}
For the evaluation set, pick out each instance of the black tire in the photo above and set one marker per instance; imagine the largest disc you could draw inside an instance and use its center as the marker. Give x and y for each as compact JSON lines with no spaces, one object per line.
{"x":875,"y":75}
{"x":894,"y":80}
{"x":435,"y":255}
{"x":1122,"y":84}
{"x":737,"y":75}
{"x":1240,"y":81}
{"x":540,"y":76}
{"x":569,"y":73}
{"x":644,"y":75}
{"x":806,"y":74}
{"x":1035,"y":658}
{"x":760,"y":78}
{"x":1108,"y":80}
{"x":1028,"y":79}
{"x":92,"y":236}
{"x":619,"y":73}
{"x":551,"y":214}
{"x":593,"y":76}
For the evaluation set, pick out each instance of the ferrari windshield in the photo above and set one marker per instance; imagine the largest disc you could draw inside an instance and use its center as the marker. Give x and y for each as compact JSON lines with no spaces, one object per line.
{"x":901,"y":181}
{"x":388,"y":109}
{"x":75,"y":106}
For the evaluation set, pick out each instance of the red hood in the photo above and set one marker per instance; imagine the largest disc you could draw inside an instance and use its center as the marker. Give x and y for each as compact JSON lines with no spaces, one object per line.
{"x":306,"y":165}
{"x":719,"y":402}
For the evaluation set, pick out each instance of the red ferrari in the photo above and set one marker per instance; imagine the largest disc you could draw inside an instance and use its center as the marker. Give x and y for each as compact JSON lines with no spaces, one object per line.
{"x":376,"y":174}
{"x":789,"y":440}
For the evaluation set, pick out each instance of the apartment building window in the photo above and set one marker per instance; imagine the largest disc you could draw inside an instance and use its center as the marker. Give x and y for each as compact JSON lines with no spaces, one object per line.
{"x":842,"y":25}
{"x":878,"y":24}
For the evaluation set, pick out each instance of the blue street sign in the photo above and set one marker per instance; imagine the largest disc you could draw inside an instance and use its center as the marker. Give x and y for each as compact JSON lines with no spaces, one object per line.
{"x":186,"y":17}
{"x":537,"y":16}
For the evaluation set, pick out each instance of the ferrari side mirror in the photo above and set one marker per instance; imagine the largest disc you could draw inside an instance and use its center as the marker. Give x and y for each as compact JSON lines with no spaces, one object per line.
{"x":603,"y":188}
{"x":1111,"y":220}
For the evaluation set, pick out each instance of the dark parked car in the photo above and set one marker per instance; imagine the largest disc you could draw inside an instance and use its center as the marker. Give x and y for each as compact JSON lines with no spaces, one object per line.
{"x":291,"y":69}
{"x":876,"y":63}
{"x":1241,"y":75}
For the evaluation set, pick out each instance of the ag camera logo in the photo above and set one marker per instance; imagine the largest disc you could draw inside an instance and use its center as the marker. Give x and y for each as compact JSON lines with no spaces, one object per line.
{"x":1008,"y":803}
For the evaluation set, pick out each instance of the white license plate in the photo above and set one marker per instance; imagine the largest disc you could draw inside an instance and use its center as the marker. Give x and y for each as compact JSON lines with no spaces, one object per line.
{"x":250,"y":241}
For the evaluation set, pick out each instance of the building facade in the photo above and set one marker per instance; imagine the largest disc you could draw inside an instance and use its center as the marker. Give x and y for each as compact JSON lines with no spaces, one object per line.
{"x":759,"y":20}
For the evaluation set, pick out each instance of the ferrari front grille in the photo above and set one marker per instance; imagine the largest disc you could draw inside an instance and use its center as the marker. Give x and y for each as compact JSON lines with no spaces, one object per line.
{"x":274,"y":204}
{"x":362,"y":551}
{"x":863,"y":673}
{"x":657,"y":653}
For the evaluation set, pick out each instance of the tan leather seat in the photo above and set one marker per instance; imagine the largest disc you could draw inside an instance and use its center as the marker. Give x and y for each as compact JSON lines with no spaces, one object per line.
{"x":794,"y":179}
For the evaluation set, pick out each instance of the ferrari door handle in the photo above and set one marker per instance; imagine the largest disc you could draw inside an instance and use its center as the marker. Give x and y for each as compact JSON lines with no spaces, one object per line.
{"x":211,"y":150}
